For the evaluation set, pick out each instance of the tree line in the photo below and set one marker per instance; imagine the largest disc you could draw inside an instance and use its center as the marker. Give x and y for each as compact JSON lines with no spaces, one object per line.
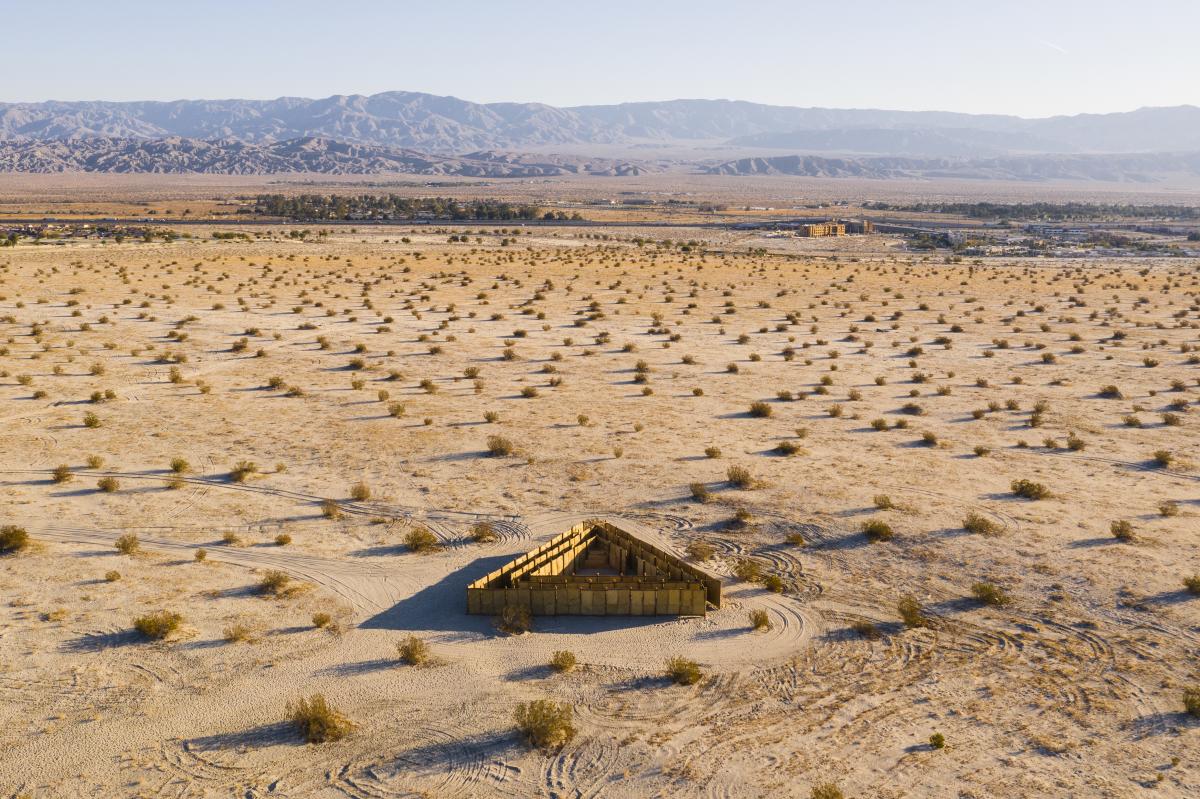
{"x":316,"y":207}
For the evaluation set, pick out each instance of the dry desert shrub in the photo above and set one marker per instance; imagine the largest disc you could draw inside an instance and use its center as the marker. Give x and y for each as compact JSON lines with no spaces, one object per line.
{"x":700,"y":492}
{"x":483,"y":533}
{"x":421,"y":540}
{"x":760,"y":620}
{"x":700,"y":551}
{"x":62,"y":474}
{"x":877,"y":530}
{"x":242,"y":470}
{"x":827,"y":790}
{"x":112,"y":576}
{"x":514,"y":620}
{"x":413,"y":651}
{"x":1028,"y":489}
{"x":108,"y":485}
{"x":740,"y":476}
{"x":237,"y":633}
{"x":760,"y":410}
{"x":748,"y":570}
{"x":788,"y":448}
{"x":321,"y":620}
{"x":563,"y":661}
{"x":330,"y":509}
{"x":990,"y":594}
{"x":980,"y":524}
{"x":128,"y":544}
{"x":1122,"y":530}
{"x":683,"y":671}
{"x":500,"y":447}
{"x":544,"y":723}
{"x":1191,"y":701}
{"x":275,"y":583}
{"x":866,"y":629}
{"x":13,"y":539}
{"x":158,"y":625}
{"x":911,"y":612}
{"x":317,"y":721}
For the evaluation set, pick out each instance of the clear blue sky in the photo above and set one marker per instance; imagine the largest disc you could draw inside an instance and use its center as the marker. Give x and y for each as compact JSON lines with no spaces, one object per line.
{"x":1014,"y":56}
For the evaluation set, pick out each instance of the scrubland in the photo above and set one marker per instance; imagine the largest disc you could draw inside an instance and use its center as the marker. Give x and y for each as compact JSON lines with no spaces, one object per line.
{"x":955,"y":507}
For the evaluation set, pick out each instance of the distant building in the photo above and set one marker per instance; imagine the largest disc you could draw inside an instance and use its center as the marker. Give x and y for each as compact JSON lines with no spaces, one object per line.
{"x":835,"y":227}
{"x":818,"y":229}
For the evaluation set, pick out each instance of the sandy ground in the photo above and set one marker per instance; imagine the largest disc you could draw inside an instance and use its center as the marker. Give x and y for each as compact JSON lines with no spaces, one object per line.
{"x":1073,"y":689}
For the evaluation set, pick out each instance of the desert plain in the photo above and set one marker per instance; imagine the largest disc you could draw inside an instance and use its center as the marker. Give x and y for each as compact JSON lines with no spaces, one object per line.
{"x":965,"y":495}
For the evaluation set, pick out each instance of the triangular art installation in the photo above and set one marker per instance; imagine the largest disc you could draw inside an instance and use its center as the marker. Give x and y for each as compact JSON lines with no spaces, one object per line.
{"x":596,"y":569}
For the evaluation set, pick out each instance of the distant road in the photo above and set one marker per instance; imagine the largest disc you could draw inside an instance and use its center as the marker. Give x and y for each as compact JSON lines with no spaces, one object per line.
{"x":135,"y":221}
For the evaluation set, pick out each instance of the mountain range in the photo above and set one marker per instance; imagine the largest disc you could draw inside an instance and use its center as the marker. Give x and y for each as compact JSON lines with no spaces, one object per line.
{"x":427,"y":134}
{"x":178,"y":155}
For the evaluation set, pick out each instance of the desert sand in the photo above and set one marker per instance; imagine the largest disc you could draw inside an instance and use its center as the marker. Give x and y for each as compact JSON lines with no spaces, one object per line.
{"x":624,"y":376}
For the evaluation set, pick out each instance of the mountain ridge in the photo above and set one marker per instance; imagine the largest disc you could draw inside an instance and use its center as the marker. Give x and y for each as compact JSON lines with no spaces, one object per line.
{"x":448,"y":125}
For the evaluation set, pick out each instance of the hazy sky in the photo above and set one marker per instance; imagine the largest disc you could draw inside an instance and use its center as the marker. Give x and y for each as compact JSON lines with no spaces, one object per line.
{"x":1012,"y":56}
